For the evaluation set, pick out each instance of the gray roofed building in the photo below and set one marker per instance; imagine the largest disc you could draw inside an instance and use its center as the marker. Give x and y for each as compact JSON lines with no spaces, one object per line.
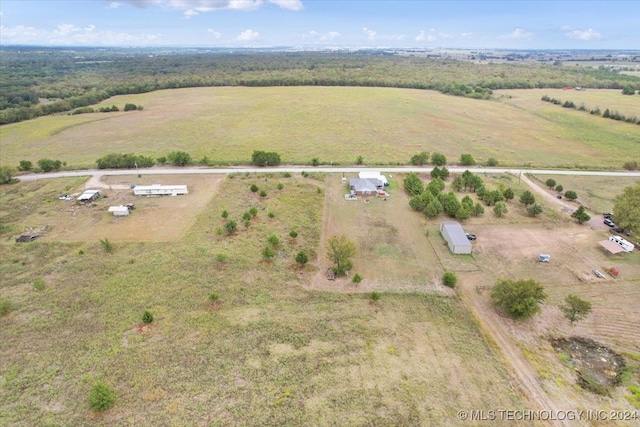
{"x":455,"y":237}
{"x":364,"y":187}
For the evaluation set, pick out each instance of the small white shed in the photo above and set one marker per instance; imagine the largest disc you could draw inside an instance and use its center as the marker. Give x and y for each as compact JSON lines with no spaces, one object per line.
{"x":456,"y":239}
{"x":119,"y":210}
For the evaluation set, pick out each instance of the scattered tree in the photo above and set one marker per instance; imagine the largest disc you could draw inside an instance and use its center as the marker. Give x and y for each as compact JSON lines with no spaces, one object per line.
{"x":359,"y":160}
{"x":440,"y":173}
{"x":263,"y":193}
{"x":273,"y":240}
{"x":500,"y":209}
{"x":263,"y":158}
{"x":293,"y":234}
{"x":630,"y":166}
{"x":436,"y":186}
{"x":550,"y":182}
{"x":527,"y":198}
{"x":412,"y":184}
{"x":467,"y":160}
{"x":357,"y":278}
{"x":375,"y":296}
{"x":253,"y":211}
{"x":420,"y":159}
{"x":433,"y":209}
{"x":280,"y":186}
{"x":101,"y":397}
{"x":107,"y":245}
{"x":231,"y":227}
{"x":626,"y":208}
{"x":492,"y":162}
{"x":581,"y":215}
{"x":340,"y":250}
{"x":478,"y":209}
{"x":254,"y":188}
{"x":508,"y":194}
{"x":575,"y":308}
{"x":268,"y":252}
{"x":559,"y":188}
{"x":302,"y":258}
{"x":571,"y":195}
{"x":225,"y":214}
{"x":6,"y":175}
{"x":438,"y":159}
{"x":48,"y":165}
{"x":25,"y":166}
{"x":534,"y":210}
{"x":520,"y":299}
{"x":315,"y":161}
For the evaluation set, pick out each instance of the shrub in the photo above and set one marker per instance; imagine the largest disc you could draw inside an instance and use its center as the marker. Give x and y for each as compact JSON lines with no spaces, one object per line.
{"x":420,"y":159}
{"x":263,"y":158}
{"x":231,"y":227}
{"x":246,"y":216}
{"x":571,"y":195}
{"x":48,"y":165}
{"x":179,"y":158}
{"x":81,"y":252}
{"x":107,"y":245}
{"x":101,"y":397}
{"x":5,"y":306}
{"x":359,"y":160}
{"x":315,"y":161}
{"x":467,"y":160}
{"x":253,"y":211}
{"x":438,"y":159}
{"x":280,"y":186}
{"x":263,"y":193}
{"x":293,"y":234}
{"x":357,"y":278}
{"x":286,"y":175}
{"x":500,"y":209}
{"x":302,"y":258}
{"x":6,"y":175}
{"x":631,"y":166}
{"x":254,"y":188}
{"x":225,"y":214}
{"x":161,"y":160}
{"x":25,"y":165}
{"x":221,"y":258}
{"x":268,"y":252}
{"x":271,"y":215}
{"x":449,"y":279}
{"x":247,"y":223}
{"x":534,"y":210}
{"x":273,"y":240}
{"x":304,"y":174}
{"x":147,"y":317}
{"x":213,"y":297}
{"x":375,"y":296}
{"x":492,"y":162}
{"x":559,"y":188}
{"x":38,"y":284}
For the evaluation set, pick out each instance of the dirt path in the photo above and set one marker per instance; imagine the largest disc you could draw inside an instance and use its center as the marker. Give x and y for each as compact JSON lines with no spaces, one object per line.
{"x":96,"y":181}
{"x":521,"y":369}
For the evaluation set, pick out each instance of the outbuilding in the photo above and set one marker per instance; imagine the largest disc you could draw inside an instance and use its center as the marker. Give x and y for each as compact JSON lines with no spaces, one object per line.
{"x":160,"y":190}
{"x":89,"y":195}
{"x":119,"y":210}
{"x":454,"y":235}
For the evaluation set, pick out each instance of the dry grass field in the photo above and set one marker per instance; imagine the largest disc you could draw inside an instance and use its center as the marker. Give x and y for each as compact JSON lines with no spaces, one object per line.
{"x":337,"y":124}
{"x":269,"y":352}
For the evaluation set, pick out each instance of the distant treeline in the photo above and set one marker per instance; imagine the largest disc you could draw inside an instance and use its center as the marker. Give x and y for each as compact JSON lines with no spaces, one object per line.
{"x":68,"y":79}
{"x":614,"y":115}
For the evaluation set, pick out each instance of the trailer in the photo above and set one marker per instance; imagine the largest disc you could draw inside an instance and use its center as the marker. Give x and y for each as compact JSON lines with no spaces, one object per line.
{"x":624,"y":244}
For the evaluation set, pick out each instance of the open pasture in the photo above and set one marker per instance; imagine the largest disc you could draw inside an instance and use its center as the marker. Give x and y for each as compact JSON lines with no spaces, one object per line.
{"x":268,"y":352}
{"x":335,"y":124}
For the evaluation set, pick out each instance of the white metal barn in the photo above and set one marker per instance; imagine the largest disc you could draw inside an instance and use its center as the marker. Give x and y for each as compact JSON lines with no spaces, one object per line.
{"x":456,"y":238}
{"x":160,"y":190}
{"x":119,"y":210}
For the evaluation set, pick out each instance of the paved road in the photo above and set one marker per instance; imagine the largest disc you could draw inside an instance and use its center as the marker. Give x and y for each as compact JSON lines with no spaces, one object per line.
{"x":300,"y":169}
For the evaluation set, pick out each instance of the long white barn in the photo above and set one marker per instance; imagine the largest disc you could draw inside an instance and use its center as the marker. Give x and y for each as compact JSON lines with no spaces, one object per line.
{"x":160,"y":190}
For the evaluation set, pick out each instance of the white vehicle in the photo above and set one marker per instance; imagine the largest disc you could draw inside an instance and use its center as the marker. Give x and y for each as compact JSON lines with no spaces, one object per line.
{"x":624,"y":244}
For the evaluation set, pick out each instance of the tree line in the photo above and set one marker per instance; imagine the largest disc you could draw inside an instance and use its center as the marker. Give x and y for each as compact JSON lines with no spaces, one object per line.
{"x":615,"y":115}
{"x":68,"y":83}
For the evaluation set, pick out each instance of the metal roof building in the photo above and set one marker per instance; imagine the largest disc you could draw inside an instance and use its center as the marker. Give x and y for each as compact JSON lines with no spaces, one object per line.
{"x":456,"y":239}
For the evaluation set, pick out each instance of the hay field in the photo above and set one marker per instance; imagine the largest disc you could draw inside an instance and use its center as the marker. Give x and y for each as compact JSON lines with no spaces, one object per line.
{"x":334,"y":124}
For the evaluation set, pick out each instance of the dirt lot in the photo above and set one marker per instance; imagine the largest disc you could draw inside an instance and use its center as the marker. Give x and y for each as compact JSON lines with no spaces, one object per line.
{"x":155,"y":219}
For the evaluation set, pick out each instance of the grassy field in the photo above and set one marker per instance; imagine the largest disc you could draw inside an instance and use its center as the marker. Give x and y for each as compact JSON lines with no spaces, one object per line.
{"x":269,"y":353}
{"x":337,"y":124}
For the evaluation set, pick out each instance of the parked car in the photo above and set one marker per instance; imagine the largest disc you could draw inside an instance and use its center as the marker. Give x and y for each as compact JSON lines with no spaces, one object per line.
{"x":607,"y":215}
{"x":608,"y":222}
{"x":470,"y":236}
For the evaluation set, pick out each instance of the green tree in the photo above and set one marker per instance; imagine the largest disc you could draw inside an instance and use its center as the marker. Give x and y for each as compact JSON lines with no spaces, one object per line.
{"x":420,"y":201}
{"x":179,"y":158}
{"x":254,"y":188}
{"x":25,"y":165}
{"x":6,"y":175}
{"x":438,"y":159}
{"x":458,"y":183}
{"x":108,"y":246}
{"x":580,"y":215}
{"x":268,"y":252}
{"x":340,"y":250}
{"x":231,"y":227}
{"x":450,"y":203}
{"x":440,"y":173}
{"x":293,"y":234}
{"x":527,"y":198}
{"x":101,"y":397}
{"x":225,"y":214}
{"x":534,"y":210}
{"x":559,"y":188}
{"x":273,"y":240}
{"x":5,"y":306}
{"x":263,"y":158}
{"x":570,"y":194}
{"x":606,"y":114}
{"x":433,"y":209}
{"x":463,"y":213}
{"x":492,"y":162}
{"x":626,"y":208}
{"x":315,"y":161}
{"x":436,"y":186}
{"x":302,"y":258}
{"x":467,"y":160}
{"x":508,"y":194}
{"x":467,"y":202}
{"x":550,"y":182}
{"x":147,"y":317}
{"x":412,"y":184}
{"x":478,"y":209}
{"x":500,"y":209}
{"x":48,"y":165}
{"x":359,"y":160}
{"x":420,"y":159}
{"x":520,"y":299}
{"x":130,"y":107}
{"x":575,"y":308}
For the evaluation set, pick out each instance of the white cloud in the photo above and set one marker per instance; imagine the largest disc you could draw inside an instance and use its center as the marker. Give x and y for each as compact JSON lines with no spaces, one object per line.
{"x":518,"y":34}
{"x":212,"y":5}
{"x":371,"y":35}
{"x":189,"y":13}
{"x":216,"y":35}
{"x":466,"y":35}
{"x":331,"y":35}
{"x":72,"y":35}
{"x":587,"y":35}
{"x":248,"y":35}
{"x":114,"y":5}
{"x":424,"y":37}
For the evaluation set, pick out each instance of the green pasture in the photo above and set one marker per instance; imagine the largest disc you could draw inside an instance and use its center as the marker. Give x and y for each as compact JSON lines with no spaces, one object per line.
{"x":337,"y":124}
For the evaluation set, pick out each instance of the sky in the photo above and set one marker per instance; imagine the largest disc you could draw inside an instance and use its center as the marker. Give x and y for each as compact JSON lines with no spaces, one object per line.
{"x":508,"y":24}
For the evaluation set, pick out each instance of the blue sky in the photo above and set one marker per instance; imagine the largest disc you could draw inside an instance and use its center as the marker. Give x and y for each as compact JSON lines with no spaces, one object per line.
{"x":506,"y":24}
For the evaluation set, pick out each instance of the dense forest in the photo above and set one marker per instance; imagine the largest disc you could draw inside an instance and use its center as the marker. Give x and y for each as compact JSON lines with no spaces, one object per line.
{"x":42,"y":81}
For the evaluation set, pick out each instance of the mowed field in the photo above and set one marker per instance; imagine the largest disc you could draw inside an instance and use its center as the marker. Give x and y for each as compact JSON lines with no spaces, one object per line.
{"x":338,"y":124}
{"x":269,"y":352}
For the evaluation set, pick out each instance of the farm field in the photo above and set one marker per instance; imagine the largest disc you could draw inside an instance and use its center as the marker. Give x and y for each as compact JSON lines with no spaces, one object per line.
{"x":267,"y":352}
{"x":337,"y":124}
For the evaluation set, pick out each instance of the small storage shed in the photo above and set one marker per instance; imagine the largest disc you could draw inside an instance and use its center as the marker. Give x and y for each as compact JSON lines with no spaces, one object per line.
{"x":119,"y":210}
{"x":160,"y":190}
{"x":89,"y":195}
{"x":453,"y":233}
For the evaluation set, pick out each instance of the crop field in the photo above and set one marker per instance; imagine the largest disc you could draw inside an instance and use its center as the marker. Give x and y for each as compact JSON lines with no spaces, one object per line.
{"x":267,"y":352}
{"x":383,"y":125}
